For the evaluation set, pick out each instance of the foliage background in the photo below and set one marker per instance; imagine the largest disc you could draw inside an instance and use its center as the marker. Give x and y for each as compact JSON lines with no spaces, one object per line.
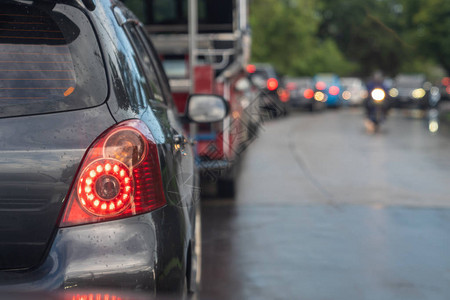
{"x":352,"y":37}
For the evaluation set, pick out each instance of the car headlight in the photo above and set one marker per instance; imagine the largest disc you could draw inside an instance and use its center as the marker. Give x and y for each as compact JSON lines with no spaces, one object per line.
{"x":418,"y":93}
{"x":393,"y":92}
{"x":378,"y":94}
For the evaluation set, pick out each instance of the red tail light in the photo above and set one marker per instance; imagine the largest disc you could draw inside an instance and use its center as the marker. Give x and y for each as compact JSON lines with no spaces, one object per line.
{"x":272,"y":84}
{"x":333,"y":90}
{"x":284,"y":95}
{"x":320,"y":85}
{"x":119,"y":176}
{"x":251,"y":69}
{"x":308,"y":94}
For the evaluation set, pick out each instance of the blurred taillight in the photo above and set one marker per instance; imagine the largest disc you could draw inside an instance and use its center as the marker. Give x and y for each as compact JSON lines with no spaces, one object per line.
{"x":284,"y":95}
{"x":320,"y":85}
{"x":333,"y":90}
{"x":308,"y":94}
{"x":120,"y":176}
{"x":251,"y":69}
{"x":91,"y":296}
{"x":272,"y":84}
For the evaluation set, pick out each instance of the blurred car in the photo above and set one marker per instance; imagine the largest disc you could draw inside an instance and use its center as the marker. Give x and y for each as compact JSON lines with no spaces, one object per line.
{"x":275,"y":97}
{"x":408,"y":91}
{"x":301,"y":91}
{"x":445,"y":88}
{"x":354,"y":90}
{"x":328,"y":89}
{"x":98,"y":186}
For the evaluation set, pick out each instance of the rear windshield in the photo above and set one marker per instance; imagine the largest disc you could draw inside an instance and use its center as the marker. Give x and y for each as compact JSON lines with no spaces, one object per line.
{"x":49,"y":60}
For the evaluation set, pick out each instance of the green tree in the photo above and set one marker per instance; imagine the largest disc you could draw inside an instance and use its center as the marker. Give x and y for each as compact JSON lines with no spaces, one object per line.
{"x":433,"y":30}
{"x":367,"y":32}
{"x":284,"y":33}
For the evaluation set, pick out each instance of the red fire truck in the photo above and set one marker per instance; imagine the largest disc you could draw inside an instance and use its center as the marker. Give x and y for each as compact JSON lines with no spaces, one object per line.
{"x":205,"y":47}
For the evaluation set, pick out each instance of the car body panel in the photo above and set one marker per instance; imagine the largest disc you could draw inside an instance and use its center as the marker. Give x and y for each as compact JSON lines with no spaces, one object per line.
{"x":117,"y":254}
{"x":39,"y":158}
{"x":152,"y":248}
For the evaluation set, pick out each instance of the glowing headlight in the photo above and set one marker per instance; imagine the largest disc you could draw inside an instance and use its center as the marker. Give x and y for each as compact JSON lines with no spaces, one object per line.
{"x":378,"y":94}
{"x":418,"y":93}
{"x":433,"y":126}
{"x":319,"y":96}
{"x":393,"y":92}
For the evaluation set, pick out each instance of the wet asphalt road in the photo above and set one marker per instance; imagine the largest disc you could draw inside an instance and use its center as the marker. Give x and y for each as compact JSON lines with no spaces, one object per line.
{"x":325,"y":211}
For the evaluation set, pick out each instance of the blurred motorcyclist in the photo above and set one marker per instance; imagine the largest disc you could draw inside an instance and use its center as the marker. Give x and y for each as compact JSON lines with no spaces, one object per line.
{"x":377,"y":103}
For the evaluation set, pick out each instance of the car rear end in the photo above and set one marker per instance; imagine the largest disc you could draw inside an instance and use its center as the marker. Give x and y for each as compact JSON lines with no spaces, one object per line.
{"x":328,"y":89}
{"x":301,"y":92}
{"x":65,"y":164}
{"x":274,"y":97}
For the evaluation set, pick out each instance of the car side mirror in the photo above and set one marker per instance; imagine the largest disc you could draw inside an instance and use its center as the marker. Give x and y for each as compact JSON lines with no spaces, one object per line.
{"x":206,"y":108}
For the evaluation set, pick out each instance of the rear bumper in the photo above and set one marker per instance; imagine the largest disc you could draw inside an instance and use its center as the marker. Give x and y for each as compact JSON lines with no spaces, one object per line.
{"x":119,"y":254}
{"x":301,"y":102}
{"x":333,"y":101}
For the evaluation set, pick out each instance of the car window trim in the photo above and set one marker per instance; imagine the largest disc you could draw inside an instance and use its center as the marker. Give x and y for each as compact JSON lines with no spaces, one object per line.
{"x":160,"y":74}
{"x":139,"y":61}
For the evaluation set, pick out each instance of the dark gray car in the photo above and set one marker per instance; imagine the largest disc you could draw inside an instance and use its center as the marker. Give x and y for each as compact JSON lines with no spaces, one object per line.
{"x":97,"y":181}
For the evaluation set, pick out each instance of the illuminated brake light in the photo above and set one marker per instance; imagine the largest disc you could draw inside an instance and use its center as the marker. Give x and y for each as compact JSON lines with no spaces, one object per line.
{"x":251,"y":69}
{"x":91,"y":296}
{"x":108,"y":188}
{"x":308,"y":94}
{"x":284,"y":95}
{"x":320,"y":85}
{"x":120,"y":176}
{"x":272,"y":84}
{"x":333,"y":90}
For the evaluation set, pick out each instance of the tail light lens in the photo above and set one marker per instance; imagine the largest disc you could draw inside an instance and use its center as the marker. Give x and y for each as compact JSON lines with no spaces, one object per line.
{"x":119,"y":176}
{"x":308,"y":94}
{"x":320,"y":85}
{"x":333,"y":90}
{"x":272,"y":84}
{"x":284,"y":95}
{"x":251,"y":69}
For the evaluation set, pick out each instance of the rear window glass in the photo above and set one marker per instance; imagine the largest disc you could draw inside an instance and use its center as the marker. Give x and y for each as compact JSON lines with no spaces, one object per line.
{"x":49,"y":60}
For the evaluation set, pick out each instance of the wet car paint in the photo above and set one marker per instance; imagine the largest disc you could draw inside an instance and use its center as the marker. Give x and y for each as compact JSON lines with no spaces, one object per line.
{"x":169,"y":230}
